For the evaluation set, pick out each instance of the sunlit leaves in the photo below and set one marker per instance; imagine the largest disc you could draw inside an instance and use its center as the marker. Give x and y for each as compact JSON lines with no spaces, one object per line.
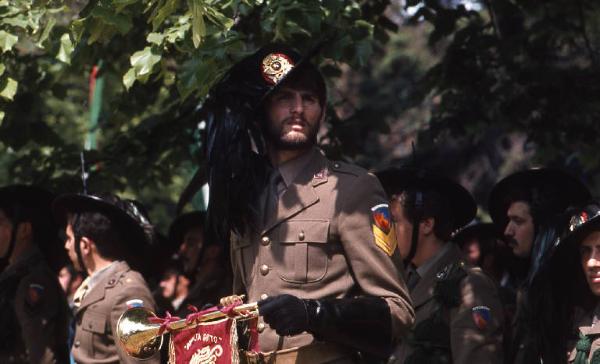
{"x":8,"y":88}
{"x":7,"y":41}
{"x":66,"y":49}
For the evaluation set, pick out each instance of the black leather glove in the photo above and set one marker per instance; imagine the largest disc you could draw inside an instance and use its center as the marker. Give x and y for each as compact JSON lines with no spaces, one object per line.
{"x":286,"y":314}
{"x":362,"y":323}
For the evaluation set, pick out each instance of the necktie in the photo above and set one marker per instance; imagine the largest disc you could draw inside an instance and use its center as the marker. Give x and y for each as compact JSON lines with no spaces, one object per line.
{"x":80,"y":292}
{"x":272,"y":195}
{"x":412,"y":277}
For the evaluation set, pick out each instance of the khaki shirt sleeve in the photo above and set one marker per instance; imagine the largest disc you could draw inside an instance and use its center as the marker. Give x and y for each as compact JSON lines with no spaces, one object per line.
{"x":375,"y":271}
{"x":36,"y":307}
{"x":470,"y":343}
{"x":133,"y":288}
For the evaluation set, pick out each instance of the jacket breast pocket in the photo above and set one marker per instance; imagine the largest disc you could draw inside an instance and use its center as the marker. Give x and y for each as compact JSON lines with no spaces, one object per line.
{"x":301,"y":251}
{"x":93,"y":332}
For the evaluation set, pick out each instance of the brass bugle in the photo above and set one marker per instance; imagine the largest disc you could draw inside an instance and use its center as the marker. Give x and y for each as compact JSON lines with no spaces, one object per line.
{"x":140,"y":338}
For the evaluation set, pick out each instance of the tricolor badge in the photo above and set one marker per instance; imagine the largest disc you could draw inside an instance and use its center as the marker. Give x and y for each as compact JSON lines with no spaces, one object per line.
{"x":482,"y":315}
{"x":383,"y":229}
{"x":134,"y":303}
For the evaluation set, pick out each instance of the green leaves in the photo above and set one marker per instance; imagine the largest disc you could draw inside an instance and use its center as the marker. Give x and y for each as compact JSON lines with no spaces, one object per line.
{"x":7,"y":41}
{"x":198,"y":25}
{"x":66,"y":49}
{"x":142,"y":63}
{"x":8,"y":88}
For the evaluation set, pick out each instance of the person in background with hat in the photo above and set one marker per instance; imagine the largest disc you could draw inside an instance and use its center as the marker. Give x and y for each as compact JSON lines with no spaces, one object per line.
{"x":457,"y":307}
{"x":201,"y":270}
{"x":33,"y":310}
{"x":102,"y":232}
{"x":526,"y":206}
{"x":311,"y":239}
{"x":482,"y":246}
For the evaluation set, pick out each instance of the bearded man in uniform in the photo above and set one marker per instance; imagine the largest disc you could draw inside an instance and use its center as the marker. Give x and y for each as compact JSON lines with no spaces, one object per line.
{"x":311,"y":239}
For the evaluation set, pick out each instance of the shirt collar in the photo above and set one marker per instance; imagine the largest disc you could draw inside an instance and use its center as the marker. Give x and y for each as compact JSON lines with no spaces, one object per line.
{"x":97,"y":275}
{"x":289,"y":170}
{"x":425,"y":267}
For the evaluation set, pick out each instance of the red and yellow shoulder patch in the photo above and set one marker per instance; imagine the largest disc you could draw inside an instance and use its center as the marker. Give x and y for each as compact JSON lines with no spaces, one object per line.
{"x":383,"y":229}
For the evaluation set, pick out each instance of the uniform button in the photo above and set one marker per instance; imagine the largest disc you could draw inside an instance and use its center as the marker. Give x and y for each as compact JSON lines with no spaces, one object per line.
{"x":260,"y":327}
{"x":77,"y":343}
{"x":90,"y":325}
{"x":301,"y":236}
{"x":264,"y":296}
{"x":264,"y":269}
{"x":111,"y":282}
{"x":336,"y":165}
{"x":265,"y":240}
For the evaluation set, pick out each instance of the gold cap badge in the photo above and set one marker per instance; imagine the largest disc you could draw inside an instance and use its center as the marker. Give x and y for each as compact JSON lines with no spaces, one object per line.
{"x":275,"y":66}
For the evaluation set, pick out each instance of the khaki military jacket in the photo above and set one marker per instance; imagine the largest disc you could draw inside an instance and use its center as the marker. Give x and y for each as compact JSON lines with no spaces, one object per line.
{"x":319,"y":243}
{"x":584,"y":324}
{"x":469,"y":343}
{"x":34,"y":314}
{"x":96,"y":318}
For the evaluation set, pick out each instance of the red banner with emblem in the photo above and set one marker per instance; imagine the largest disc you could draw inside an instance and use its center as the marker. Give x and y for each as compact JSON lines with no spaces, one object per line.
{"x":214,"y":342}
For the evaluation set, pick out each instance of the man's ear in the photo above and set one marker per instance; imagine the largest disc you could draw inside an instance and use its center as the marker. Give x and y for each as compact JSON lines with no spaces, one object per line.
{"x":86,"y":245}
{"x":427,"y":225}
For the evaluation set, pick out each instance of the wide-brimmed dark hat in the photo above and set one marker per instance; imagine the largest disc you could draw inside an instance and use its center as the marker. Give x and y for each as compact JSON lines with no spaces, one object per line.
{"x":131,"y":221}
{"x":255,"y":77}
{"x":580,"y":222}
{"x":183,"y":223}
{"x":34,"y":200}
{"x":558,"y":187}
{"x":396,"y":180}
{"x":479,"y":231}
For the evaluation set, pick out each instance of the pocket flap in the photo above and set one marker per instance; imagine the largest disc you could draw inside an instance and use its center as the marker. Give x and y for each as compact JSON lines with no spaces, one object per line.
{"x":94,"y":322}
{"x":304,"y":231}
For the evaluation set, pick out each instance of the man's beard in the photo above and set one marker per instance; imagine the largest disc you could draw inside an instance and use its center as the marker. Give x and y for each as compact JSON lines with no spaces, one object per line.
{"x":298,"y":141}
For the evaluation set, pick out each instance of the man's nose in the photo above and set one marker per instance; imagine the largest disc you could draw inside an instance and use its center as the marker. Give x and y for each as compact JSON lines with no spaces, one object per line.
{"x":594,"y":260}
{"x":297,"y":105}
{"x":509,"y":231}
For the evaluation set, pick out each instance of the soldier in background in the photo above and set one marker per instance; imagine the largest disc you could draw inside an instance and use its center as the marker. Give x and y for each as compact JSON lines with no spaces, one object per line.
{"x":457,"y":307}
{"x":33,"y":310}
{"x":527,"y":206}
{"x":104,"y":234}
{"x":205,"y":263}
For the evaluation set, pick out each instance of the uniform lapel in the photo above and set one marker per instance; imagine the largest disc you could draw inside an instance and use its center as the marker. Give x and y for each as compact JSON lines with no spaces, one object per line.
{"x":300,"y":194}
{"x":98,"y":292}
{"x":423,"y":291}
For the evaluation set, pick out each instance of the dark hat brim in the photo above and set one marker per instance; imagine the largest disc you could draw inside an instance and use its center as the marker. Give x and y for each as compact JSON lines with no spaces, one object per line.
{"x":131,"y":231}
{"x":572,"y":190}
{"x":396,"y":180}
{"x":480,"y":230}
{"x":25,"y":195}
{"x":183,"y":223}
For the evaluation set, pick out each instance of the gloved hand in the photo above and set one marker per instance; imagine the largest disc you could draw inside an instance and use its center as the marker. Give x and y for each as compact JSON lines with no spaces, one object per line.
{"x":286,"y":314}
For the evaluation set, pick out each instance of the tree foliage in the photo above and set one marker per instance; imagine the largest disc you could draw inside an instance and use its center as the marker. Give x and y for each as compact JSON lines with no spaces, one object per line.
{"x":158,"y":59}
{"x":518,"y":65}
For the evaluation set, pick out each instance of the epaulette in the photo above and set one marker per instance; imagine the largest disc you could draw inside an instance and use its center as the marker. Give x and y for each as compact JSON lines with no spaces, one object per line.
{"x":447,"y":286}
{"x":346,"y":168}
